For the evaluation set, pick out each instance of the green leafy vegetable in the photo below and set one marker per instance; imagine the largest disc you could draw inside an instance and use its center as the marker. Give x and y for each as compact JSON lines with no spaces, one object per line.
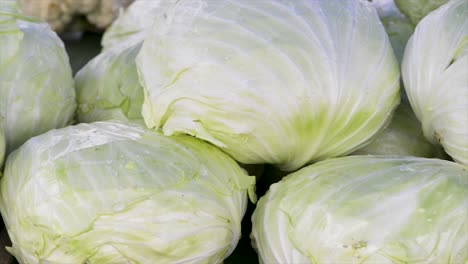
{"x":366,"y":209}
{"x":111,"y":192}
{"x":269,"y":81}
{"x":107,"y":87}
{"x":434,"y":71}
{"x":36,"y":84}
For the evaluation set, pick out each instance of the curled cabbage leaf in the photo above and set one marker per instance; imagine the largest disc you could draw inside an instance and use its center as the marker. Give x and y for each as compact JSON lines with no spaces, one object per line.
{"x":434,"y":70}
{"x":111,"y":192}
{"x":417,"y":9}
{"x":270,"y":81}
{"x":366,"y":209}
{"x":36,"y":84}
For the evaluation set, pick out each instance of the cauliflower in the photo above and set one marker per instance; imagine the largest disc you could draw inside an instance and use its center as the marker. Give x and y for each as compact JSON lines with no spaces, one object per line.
{"x":60,"y":13}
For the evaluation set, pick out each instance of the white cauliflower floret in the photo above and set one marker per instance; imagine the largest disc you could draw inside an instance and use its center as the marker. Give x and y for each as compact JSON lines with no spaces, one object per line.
{"x":85,"y":6}
{"x":59,"y":13}
{"x":105,"y":12}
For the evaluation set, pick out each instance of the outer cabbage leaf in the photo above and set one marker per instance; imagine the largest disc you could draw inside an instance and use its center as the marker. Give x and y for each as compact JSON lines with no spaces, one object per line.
{"x":434,"y":70}
{"x":111,"y":192}
{"x":364,"y":209}
{"x":281,"y":82}
{"x":417,"y":9}
{"x":36,"y":84}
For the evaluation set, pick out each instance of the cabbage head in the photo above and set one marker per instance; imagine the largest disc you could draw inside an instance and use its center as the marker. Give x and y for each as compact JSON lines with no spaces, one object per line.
{"x":36,"y":84}
{"x":418,"y":9}
{"x":270,"y":81}
{"x":435,"y":76}
{"x":111,"y":192}
{"x":366,"y":210}
{"x":108,"y":88}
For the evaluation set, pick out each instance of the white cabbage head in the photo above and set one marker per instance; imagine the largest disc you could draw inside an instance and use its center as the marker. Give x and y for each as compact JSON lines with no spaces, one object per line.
{"x":108,"y":88}
{"x":36,"y":84}
{"x":111,"y":192}
{"x":435,"y":75}
{"x":366,"y":210}
{"x":270,"y":81}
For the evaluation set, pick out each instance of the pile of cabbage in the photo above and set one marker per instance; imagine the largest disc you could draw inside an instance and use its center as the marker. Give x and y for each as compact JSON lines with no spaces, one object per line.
{"x":348,"y":119}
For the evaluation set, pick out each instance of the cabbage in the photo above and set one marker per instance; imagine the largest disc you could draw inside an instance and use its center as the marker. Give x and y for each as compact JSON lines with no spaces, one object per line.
{"x":434,"y":70}
{"x":36,"y":84}
{"x":280,"y":82}
{"x":417,"y":9}
{"x":364,"y":209}
{"x":108,"y":86}
{"x":403,"y":136}
{"x":111,"y":192}
{"x":398,"y":27}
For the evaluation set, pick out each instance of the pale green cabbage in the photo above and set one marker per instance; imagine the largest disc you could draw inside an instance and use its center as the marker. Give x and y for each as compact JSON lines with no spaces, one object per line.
{"x":366,"y":210}
{"x":108,"y":86}
{"x":417,"y":9}
{"x":270,"y":81}
{"x":435,"y":75}
{"x":111,"y":192}
{"x":36,"y":84}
